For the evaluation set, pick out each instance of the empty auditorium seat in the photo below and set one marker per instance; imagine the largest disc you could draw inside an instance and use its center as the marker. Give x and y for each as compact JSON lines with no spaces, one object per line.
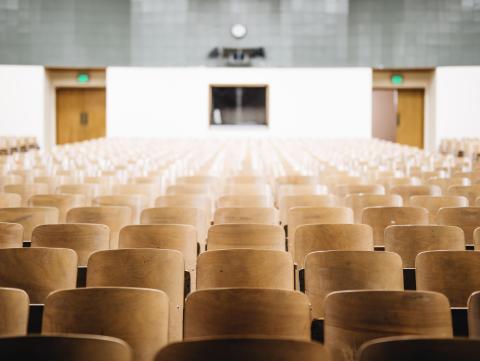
{"x":14,"y":305}
{"x":307,"y":200}
{"x":258,"y":215}
{"x":11,"y":235}
{"x":433,"y":203}
{"x":63,"y":202}
{"x":10,"y":200}
{"x":467,"y":218}
{"x":358,"y":202}
{"x":29,"y":217}
{"x":136,"y":203}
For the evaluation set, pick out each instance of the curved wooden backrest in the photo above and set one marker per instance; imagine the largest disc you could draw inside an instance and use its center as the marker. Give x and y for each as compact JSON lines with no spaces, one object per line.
{"x":453,"y":273}
{"x":346,"y":189}
{"x":25,"y":191}
{"x":63,"y":202}
{"x":161,"y":269}
{"x":14,"y":308}
{"x":299,"y":216}
{"x":38,"y":271}
{"x":243,"y":215}
{"x":389,"y":182}
{"x":10,"y":200}
{"x":407,"y":191}
{"x":470,"y":192}
{"x":296,"y":179}
{"x":115,"y":217}
{"x":199,"y":179}
{"x":201,"y":201}
{"x":29,"y":217}
{"x":138,"y":316}
{"x":309,"y":200}
{"x":358,"y":202}
{"x":476,"y":238}
{"x":474,"y":315}
{"x":89,"y":191}
{"x":246,"y":189}
{"x":433,"y":203}
{"x":148,"y":190}
{"x":331,"y":237}
{"x":9,"y":179}
{"x":467,"y":218}
{"x":246,"y":179}
{"x":83,"y":238}
{"x":242,"y":349}
{"x":425,"y":348}
{"x":330,"y":271}
{"x":136,"y":203}
{"x":410,"y":240}
{"x":11,"y":235}
{"x":380,"y":218}
{"x":284,"y":190}
{"x":185,"y":188}
{"x":245,"y":268}
{"x":54,"y":181}
{"x":445,"y":183}
{"x":226,"y":312}
{"x":57,"y":347}
{"x":354,"y":317}
{"x":247,"y":200}
{"x":254,"y":236}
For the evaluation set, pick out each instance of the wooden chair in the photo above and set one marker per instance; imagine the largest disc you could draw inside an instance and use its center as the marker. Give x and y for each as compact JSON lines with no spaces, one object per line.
{"x":242,"y":349}
{"x":38,"y":271}
{"x":29,"y":217}
{"x":467,"y":218}
{"x":200,"y":201}
{"x":245,"y":268}
{"x":330,"y":271}
{"x":83,"y":238}
{"x":358,"y":202}
{"x":54,"y":181}
{"x":9,"y":179}
{"x":63,"y":202}
{"x":380,"y":218}
{"x":354,"y":317}
{"x":25,"y":191}
{"x":10,"y":200}
{"x":299,"y":216}
{"x":331,"y":237}
{"x":89,"y":191}
{"x":407,"y":191}
{"x":254,"y":236}
{"x":410,"y":240}
{"x":11,"y":235}
{"x":346,"y":189}
{"x":433,"y":203}
{"x":204,"y":189}
{"x":161,"y":269}
{"x":246,"y":189}
{"x":309,"y":200}
{"x":149,"y":190}
{"x":246,"y":179}
{"x":56,"y":347}
{"x":470,"y":192}
{"x":247,"y":200}
{"x":476,"y":238}
{"x":226,"y":312}
{"x":14,"y":304}
{"x":114,"y":217}
{"x":138,"y":316}
{"x":246,"y":215}
{"x":136,"y":203}
{"x":284,"y":190}
{"x":414,"y":348}
{"x":473,"y":305}
{"x":453,"y":273}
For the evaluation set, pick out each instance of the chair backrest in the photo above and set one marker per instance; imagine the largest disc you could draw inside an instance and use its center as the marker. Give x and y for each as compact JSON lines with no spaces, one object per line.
{"x":329,"y":271}
{"x":467,"y":218}
{"x":415,"y":348}
{"x":83,"y":238}
{"x":138,"y":316}
{"x":248,"y":200}
{"x":358,"y":202}
{"x":245,"y":268}
{"x":63,"y":202}
{"x":380,"y":218}
{"x":476,"y":238}
{"x":470,"y":192}
{"x":309,"y":200}
{"x":56,"y":347}
{"x":11,"y":235}
{"x":115,"y":217}
{"x":453,"y":273}
{"x":354,"y":317}
{"x":29,"y":217}
{"x":254,"y":236}
{"x":25,"y":191}
{"x":89,"y":191}
{"x":191,"y":188}
{"x":343,"y":190}
{"x":407,"y":191}
{"x":148,"y":190}
{"x":10,"y":200}
{"x":161,"y":269}
{"x":246,"y":215}
{"x":433,"y":203}
{"x":136,"y":203}
{"x":331,"y":237}
{"x":299,"y":189}
{"x":258,"y":312}
{"x":246,"y":189}
{"x":246,"y":179}
{"x":410,"y":240}
{"x":201,"y":201}
{"x":242,"y":349}
{"x":14,"y":304}
{"x":445,"y":183}
{"x":38,"y":271}
{"x":473,"y":305}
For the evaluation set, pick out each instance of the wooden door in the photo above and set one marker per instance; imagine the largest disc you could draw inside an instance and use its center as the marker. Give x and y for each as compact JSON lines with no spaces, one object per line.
{"x":384,"y":121}
{"x":410,"y":113}
{"x":80,"y":114}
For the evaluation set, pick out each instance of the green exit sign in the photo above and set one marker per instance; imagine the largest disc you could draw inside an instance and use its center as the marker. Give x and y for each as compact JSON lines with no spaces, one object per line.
{"x":396,"y":79}
{"x":83,"y":78}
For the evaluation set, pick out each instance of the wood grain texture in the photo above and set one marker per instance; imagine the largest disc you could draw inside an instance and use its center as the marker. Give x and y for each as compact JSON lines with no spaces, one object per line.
{"x":346,"y":189}
{"x":14,"y":308}
{"x":11,"y":235}
{"x":136,"y":202}
{"x":150,"y":190}
{"x":246,"y":189}
{"x":476,"y":238}
{"x":309,"y":200}
{"x":467,"y":218}
{"x":407,"y":191}
{"x":246,"y":215}
{"x":201,"y":201}
{"x":471,"y":192}
{"x":63,"y":202}
{"x":254,"y":236}
{"x":10,"y":200}
{"x":29,"y":217}
{"x":433,"y":203}
{"x":89,"y":191}
{"x":354,"y":317}
{"x":247,"y":200}
{"x":473,"y":305}
{"x":358,"y":202}
{"x":25,"y":191}
{"x":138,"y":316}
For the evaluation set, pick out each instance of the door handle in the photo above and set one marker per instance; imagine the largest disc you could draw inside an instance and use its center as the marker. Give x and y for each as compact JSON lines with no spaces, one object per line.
{"x":84,"y":119}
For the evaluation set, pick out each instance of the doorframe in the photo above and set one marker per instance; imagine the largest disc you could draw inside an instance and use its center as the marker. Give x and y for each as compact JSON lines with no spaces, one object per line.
{"x":413,"y":79}
{"x":66,"y":78}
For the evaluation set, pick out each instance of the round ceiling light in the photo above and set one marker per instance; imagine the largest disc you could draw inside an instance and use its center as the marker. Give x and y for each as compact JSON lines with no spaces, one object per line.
{"x":238,"y":31}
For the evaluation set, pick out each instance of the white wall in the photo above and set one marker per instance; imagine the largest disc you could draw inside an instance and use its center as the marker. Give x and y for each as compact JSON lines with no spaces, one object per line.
{"x":327,"y":102}
{"x":457,"y":102}
{"x":22,"y":101}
